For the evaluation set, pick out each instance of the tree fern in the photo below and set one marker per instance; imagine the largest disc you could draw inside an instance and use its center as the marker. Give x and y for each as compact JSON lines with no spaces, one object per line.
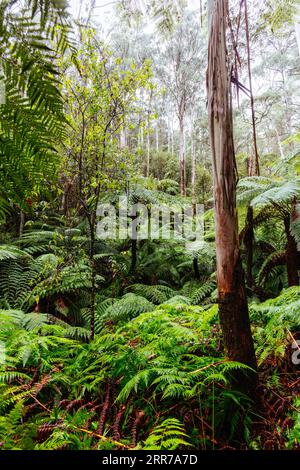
{"x":279,"y":315}
{"x":203,"y":292}
{"x":32,"y":118}
{"x":129,"y":306}
{"x":156,"y":294}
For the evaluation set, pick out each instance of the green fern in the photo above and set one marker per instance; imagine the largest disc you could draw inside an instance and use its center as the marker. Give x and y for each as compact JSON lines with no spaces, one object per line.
{"x":169,"y":435}
{"x":156,"y":294}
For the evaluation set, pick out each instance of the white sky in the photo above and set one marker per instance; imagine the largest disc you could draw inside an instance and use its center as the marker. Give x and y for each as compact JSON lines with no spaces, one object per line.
{"x":105,"y":8}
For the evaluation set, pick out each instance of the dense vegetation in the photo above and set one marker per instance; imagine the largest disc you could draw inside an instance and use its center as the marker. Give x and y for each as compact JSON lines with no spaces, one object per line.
{"x":118,"y":343}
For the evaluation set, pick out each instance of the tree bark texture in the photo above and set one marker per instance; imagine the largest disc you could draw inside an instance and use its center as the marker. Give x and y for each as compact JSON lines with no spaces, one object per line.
{"x":233,"y":307}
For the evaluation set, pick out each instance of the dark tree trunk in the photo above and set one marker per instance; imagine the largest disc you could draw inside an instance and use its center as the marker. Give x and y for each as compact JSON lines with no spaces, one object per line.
{"x":291,"y":256}
{"x":248,"y":241}
{"x":196,"y":268}
{"x":233,"y":307}
{"x":133,"y":256}
{"x":22,"y":223}
{"x":93,"y":279}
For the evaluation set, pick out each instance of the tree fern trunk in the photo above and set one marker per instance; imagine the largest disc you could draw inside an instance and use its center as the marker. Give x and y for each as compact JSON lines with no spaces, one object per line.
{"x":196,"y":267}
{"x":22,"y":223}
{"x":93,"y":279}
{"x":133,"y":256}
{"x":291,"y":256}
{"x":248,"y":241}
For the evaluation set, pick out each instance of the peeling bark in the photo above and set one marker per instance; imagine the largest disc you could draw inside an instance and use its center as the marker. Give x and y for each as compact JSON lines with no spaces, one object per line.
{"x":233,"y":307}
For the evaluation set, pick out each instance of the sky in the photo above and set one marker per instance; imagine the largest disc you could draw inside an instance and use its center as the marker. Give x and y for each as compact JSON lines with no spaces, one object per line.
{"x":105,"y":8}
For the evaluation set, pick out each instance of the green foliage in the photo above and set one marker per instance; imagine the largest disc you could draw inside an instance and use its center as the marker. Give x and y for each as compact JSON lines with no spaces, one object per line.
{"x":157,"y":294}
{"x":77,"y":129}
{"x":279,"y":318}
{"x":293,"y":433}
{"x":280,"y":12}
{"x":159,"y":359}
{"x":25,"y":281}
{"x":203,"y":292}
{"x":32,"y":117}
{"x":169,"y":435}
{"x":262,"y":191}
{"x":168,"y":186}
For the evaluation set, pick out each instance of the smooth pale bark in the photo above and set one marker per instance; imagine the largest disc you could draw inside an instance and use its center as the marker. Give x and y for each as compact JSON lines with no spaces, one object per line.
{"x":182,"y":169}
{"x":148,"y":151}
{"x":172,"y":138}
{"x":141,"y":137}
{"x":193,"y":172}
{"x":157,"y":137}
{"x":297,"y":27}
{"x":123,"y":138}
{"x":233,"y":307}
{"x":193,"y":159}
{"x":280,"y":145}
{"x":169,"y":135}
{"x":255,"y":163}
{"x":148,"y":134}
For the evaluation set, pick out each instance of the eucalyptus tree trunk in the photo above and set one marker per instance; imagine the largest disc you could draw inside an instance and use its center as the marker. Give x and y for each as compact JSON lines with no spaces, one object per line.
{"x":148,"y":152}
{"x":297,"y":29}
{"x":193,"y":155}
{"x":233,"y":307}
{"x":169,"y":135}
{"x":123,"y":138}
{"x":253,"y":163}
{"x":148,"y":134}
{"x":157,"y":137}
{"x":182,"y":157}
{"x":172,"y":138}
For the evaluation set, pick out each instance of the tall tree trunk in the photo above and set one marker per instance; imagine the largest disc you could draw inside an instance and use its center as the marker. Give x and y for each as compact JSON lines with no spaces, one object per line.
{"x":280,"y":145}
{"x":141,"y":137}
{"x":148,"y":152}
{"x":123,"y":138}
{"x":169,"y":136}
{"x":172,"y":138}
{"x":182,"y":157}
{"x":148,"y":133}
{"x":193,"y":175}
{"x":255,"y":164}
{"x":297,"y":28}
{"x":233,"y":307}
{"x":157,"y":137}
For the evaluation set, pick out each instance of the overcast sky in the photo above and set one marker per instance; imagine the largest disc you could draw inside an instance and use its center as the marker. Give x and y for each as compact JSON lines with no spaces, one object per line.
{"x":105,"y":8}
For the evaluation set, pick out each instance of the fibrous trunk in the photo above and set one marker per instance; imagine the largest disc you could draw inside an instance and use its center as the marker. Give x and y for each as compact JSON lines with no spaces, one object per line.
{"x":291,"y":256}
